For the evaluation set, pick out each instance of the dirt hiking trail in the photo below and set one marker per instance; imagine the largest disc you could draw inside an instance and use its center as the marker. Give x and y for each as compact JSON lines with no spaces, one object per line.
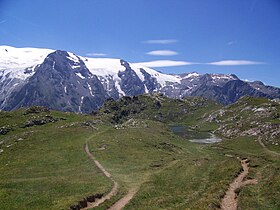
{"x":229,"y":202}
{"x":266,"y":149}
{"x":124,"y":200}
{"x":121,"y":202}
{"x":107,"y":174}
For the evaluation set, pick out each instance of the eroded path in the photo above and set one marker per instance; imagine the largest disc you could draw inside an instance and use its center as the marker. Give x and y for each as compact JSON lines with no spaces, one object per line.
{"x":229,"y":202}
{"x":124,"y":200}
{"x":120,"y":203}
{"x":107,"y":174}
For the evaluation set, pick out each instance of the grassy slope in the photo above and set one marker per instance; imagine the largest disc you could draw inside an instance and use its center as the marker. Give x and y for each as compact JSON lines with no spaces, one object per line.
{"x":264,"y":167}
{"x":171,"y":168}
{"x":49,"y":169}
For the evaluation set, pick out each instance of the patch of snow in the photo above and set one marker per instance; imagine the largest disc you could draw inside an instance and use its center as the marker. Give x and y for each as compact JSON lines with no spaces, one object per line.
{"x":222,"y":76}
{"x":190,"y":75}
{"x":75,"y":66}
{"x":146,"y":89}
{"x":14,"y":61}
{"x":73,"y":57}
{"x":90,"y":90}
{"x":110,"y":67}
{"x":81,"y":103}
{"x":162,"y":79}
{"x":104,"y":66}
{"x":117,"y":85}
{"x":80,"y":75}
{"x":16,"y":84}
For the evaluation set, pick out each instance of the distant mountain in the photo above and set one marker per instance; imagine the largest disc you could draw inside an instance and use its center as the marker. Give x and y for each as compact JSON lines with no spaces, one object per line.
{"x":64,"y":81}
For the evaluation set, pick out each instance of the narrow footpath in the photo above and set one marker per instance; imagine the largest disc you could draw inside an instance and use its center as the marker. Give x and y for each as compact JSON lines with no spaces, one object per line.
{"x":124,"y":200}
{"x":266,"y":149}
{"x":230,"y":202}
{"x":121,"y":202}
{"x":114,"y":190}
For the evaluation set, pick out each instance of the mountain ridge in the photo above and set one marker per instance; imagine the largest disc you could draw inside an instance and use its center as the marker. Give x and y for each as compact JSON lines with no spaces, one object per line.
{"x":64,"y":81}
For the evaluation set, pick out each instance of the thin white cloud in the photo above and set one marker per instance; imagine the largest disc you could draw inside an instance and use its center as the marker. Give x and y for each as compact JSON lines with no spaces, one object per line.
{"x":96,"y":54}
{"x":235,"y":63}
{"x":164,"y":63}
{"x":162,"y":52}
{"x":160,"y":41}
{"x":231,"y":42}
{"x":2,"y":21}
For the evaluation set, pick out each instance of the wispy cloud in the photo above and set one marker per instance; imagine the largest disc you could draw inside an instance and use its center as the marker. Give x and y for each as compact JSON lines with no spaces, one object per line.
{"x":96,"y":54}
{"x":162,"y":52}
{"x":170,"y":63}
{"x":235,"y":63}
{"x":164,"y":63}
{"x":2,"y":21}
{"x":231,"y":42}
{"x":160,"y":41}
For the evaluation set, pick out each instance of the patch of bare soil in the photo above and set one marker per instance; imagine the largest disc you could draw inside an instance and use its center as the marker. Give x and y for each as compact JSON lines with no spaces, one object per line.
{"x":124,"y":200}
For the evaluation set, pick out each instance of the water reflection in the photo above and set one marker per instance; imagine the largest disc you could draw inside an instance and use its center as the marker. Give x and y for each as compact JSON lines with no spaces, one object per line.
{"x":194,"y":135}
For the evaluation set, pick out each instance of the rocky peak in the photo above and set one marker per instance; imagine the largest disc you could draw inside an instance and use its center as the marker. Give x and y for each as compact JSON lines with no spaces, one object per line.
{"x":130,"y":82}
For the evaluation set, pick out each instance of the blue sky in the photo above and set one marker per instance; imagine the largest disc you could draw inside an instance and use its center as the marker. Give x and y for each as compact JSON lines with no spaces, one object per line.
{"x":241,"y":37}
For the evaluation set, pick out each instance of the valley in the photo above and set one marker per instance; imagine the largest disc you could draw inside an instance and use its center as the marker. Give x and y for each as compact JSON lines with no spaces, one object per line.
{"x":44,"y":165}
{"x":139,"y":105}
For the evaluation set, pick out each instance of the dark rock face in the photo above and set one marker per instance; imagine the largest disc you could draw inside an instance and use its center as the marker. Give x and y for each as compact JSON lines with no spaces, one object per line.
{"x":227,"y":93}
{"x":62,"y":84}
{"x":149,"y":81}
{"x":271,"y":92}
{"x":130,"y":82}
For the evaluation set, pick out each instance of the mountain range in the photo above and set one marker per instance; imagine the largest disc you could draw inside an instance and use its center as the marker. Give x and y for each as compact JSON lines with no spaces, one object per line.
{"x":64,"y":81}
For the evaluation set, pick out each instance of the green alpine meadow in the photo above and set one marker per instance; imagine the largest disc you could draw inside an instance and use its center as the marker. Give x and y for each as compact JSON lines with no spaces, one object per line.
{"x":139,"y":105}
{"x":145,"y":146}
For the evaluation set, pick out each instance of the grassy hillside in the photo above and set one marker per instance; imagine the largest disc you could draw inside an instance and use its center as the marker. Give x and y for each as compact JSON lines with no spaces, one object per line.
{"x":43,"y":164}
{"x":251,"y":117}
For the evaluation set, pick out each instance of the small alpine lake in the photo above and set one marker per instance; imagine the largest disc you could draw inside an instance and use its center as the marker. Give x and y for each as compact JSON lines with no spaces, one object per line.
{"x":200,"y":137}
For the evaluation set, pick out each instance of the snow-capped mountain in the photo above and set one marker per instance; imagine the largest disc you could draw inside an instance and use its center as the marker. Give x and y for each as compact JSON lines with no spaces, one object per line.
{"x":68,"y":82}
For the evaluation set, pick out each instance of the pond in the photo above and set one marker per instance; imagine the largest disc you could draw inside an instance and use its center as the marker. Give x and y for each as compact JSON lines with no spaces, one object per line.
{"x":194,"y":135}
